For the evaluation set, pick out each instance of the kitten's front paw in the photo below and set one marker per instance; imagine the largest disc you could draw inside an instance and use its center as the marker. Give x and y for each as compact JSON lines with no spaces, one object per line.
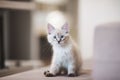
{"x":72,"y":75}
{"x":48,"y":74}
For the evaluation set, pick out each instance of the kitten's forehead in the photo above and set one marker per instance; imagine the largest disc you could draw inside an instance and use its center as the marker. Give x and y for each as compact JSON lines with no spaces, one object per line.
{"x":59,"y":32}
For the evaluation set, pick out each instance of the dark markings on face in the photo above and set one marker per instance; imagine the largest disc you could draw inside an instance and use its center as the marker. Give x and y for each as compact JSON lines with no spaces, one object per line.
{"x":59,"y":37}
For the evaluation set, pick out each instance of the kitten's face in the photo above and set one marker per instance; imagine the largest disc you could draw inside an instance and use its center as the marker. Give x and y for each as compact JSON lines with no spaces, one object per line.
{"x":58,"y":37}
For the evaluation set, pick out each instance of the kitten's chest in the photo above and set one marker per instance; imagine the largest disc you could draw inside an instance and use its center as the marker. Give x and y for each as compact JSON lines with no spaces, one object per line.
{"x":62,"y":51}
{"x":63,"y":54}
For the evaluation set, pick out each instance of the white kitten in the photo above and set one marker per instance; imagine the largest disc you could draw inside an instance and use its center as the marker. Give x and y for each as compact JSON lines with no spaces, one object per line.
{"x":65,"y":53}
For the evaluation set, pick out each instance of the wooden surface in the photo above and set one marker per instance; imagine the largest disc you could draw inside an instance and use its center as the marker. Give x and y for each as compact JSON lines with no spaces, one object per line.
{"x":17,"y":5}
{"x":14,"y":70}
{"x":37,"y":74}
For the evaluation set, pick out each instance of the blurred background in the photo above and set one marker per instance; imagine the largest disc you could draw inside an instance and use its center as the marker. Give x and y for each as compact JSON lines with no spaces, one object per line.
{"x":23,"y":23}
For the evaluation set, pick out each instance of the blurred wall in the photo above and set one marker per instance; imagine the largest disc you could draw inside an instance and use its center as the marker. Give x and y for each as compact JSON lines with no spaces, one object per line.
{"x":91,"y":14}
{"x":19,"y":34}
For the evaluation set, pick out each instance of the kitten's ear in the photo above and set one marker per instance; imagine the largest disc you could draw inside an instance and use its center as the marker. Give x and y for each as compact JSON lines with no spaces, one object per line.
{"x":50,"y":28}
{"x":65,"y":27}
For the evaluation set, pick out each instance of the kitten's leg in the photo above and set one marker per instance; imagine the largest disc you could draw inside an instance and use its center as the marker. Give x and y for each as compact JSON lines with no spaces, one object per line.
{"x":54,"y":69}
{"x":71,"y":71}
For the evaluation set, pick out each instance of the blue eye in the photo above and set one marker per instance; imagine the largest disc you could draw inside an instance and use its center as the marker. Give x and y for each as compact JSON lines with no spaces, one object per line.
{"x":62,"y":36}
{"x":54,"y":37}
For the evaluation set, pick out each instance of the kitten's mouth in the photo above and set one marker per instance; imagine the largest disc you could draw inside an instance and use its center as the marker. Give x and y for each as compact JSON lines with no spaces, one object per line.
{"x":59,"y":42}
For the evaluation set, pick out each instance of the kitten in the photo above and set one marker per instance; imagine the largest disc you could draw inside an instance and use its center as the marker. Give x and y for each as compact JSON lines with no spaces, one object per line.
{"x":65,"y":53}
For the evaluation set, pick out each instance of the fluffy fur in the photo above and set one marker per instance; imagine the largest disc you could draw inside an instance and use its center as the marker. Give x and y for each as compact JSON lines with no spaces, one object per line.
{"x":65,"y":53}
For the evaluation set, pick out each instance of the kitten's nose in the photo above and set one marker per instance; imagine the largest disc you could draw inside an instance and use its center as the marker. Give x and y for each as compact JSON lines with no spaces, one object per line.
{"x":58,"y":41}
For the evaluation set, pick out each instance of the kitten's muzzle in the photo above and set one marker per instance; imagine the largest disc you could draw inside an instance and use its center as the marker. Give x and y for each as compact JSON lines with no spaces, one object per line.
{"x":59,"y":41}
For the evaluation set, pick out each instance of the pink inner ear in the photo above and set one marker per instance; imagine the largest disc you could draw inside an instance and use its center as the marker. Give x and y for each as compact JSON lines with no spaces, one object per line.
{"x":65,"y":27}
{"x":50,"y":28}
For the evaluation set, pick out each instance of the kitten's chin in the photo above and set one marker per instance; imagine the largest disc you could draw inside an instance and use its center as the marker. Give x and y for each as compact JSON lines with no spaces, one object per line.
{"x":61,"y":44}
{"x":58,"y":44}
